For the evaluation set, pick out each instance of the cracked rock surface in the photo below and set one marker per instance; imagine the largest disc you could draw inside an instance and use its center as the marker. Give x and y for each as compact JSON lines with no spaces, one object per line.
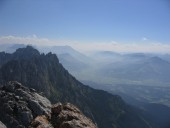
{"x":69,"y":116}
{"x":22,"y":107}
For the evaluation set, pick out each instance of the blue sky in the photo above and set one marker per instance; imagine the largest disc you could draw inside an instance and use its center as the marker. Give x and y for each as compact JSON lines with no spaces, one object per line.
{"x":123,"y":21}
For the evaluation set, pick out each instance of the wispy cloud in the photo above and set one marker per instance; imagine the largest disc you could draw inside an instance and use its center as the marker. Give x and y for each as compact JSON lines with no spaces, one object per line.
{"x":24,"y":40}
{"x":149,"y":47}
{"x":144,"y":39}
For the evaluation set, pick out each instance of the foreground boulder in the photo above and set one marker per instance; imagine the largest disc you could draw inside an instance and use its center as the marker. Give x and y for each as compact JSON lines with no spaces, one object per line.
{"x":69,"y":116}
{"x":21,"y":107}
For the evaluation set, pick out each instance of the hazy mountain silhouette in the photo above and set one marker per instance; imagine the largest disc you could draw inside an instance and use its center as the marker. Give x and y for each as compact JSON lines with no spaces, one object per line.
{"x":44,"y":73}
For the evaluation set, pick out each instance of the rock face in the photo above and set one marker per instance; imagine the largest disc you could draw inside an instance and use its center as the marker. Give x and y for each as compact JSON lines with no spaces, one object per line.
{"x":21,"y":107}
{"x":69,"y":116}
{"x":41,"y":122}
{"x":2,"y":125}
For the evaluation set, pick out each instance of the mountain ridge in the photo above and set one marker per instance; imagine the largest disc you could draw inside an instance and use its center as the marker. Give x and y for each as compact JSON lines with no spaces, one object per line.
{"x":45,"y":73}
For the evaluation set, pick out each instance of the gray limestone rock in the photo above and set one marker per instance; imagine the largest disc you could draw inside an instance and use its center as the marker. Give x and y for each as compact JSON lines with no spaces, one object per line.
{"x":20,"y":105}
{"x":2,"y":125}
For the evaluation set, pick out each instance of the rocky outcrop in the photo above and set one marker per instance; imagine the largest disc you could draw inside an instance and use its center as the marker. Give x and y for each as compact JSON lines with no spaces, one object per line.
{"x":69,"y":116}
{"x":2,"y":125}
{"x":21,"y":107}
{"x":63,"y":116}
{"x":41,"y":122}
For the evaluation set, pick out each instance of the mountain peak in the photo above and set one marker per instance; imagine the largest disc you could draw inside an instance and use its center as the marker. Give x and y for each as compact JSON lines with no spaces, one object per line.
{"x":157,"y":60}
{"x":26,"y":52}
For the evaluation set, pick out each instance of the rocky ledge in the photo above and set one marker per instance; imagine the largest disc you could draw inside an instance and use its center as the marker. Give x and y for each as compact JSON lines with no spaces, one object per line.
{"x":22,"y":107}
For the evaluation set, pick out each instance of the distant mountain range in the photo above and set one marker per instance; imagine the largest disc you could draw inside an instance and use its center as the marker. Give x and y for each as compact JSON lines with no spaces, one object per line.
{"x":60,"y":50}
{"x":44,"y":73}
{"x":134,"y":68}
{"x":112,"y":67}
{"x":139,"y":78}
{"x":153,"y":69}
{"x":10,"y":48}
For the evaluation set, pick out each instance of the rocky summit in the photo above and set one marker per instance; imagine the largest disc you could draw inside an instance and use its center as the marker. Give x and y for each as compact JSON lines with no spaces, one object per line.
{"x":23,"y":107}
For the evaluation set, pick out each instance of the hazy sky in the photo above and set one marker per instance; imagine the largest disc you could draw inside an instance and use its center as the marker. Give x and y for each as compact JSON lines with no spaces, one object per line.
{"x":105,"y":21}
